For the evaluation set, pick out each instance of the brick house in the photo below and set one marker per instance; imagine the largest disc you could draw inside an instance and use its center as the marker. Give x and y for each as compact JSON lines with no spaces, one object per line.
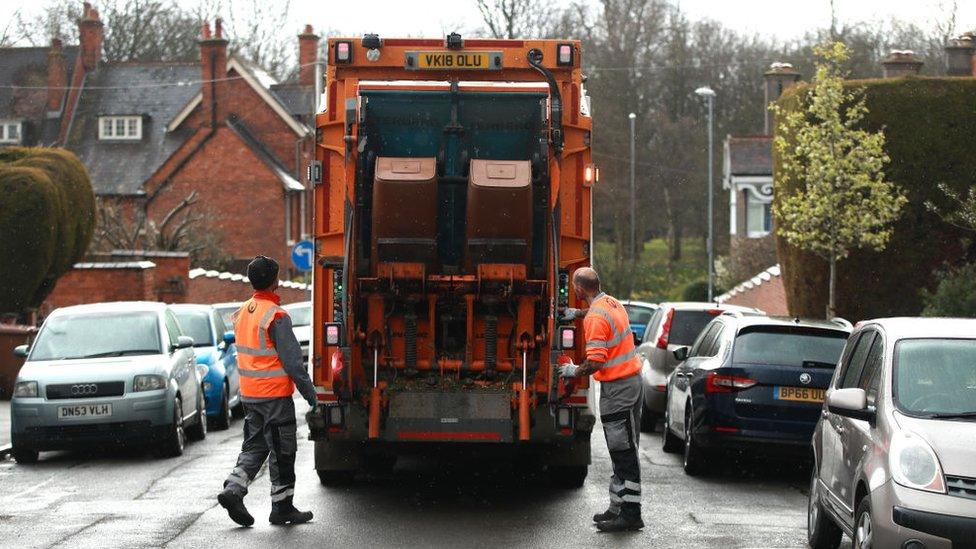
{"x":151,"y":134}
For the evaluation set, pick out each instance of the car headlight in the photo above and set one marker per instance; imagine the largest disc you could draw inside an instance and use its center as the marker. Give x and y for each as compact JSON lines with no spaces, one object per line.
{"x":148,"y":383}
{"x":25,"y":389}
{"x":914,"y":464}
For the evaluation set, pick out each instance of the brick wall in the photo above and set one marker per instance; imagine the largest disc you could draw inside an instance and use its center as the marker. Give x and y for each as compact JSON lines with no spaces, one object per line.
{"x":213,"y":287}
{"x":98,"y":282}
{"x":764,"y":291}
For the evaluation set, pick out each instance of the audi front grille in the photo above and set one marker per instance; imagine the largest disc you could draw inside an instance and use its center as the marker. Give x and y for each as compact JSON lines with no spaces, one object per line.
{"x":85,"y":390}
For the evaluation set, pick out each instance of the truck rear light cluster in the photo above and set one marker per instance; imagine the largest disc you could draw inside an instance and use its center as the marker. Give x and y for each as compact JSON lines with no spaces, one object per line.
{"x":719,"y":383}
{"x":343,"y":52}
{"x":567,"y":337}
{"x":662,"y":337}
{"x":564,"y":420}
{"x":333,"y":333}
{"x":564,"y":54}
{"x":335,"y":418}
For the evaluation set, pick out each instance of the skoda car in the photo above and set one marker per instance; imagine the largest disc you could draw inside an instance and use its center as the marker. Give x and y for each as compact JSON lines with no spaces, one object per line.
{"x":111,"y":373}
{"x":895,"y":449}
{"x":215,"y":349}
{"x":750,"y":382}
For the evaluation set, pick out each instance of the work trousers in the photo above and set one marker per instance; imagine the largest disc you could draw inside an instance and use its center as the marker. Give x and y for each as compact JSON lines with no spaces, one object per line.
{"x":269,"y":430}
{"x":621,"y":404}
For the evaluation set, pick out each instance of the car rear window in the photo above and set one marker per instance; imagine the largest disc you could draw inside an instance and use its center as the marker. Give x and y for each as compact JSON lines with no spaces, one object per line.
{"x":789,"y":347}
{"x":638,"y":314}
{"x":686,"y":325}
{"x":196,"y":324}
{"x":301,"y":315}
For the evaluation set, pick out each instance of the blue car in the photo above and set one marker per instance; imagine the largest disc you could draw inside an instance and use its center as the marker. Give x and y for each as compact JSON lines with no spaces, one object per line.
{"x":639,"y":313}
{"x":750,"y":382}
{"x":214,"y":347}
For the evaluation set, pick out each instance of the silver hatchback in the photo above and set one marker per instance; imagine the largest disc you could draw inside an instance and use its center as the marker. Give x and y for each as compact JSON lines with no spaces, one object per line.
{"x":895,"y":448}
{"x":107,"y":373}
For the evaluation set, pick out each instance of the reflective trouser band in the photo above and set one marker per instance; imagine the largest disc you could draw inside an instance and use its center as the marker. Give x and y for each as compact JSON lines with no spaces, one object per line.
{"x":239,"y":476}
{"x":273,"y":372}
{"x":627,"y":485}
{"x":256,"y":352}
{"x":279,"y":493}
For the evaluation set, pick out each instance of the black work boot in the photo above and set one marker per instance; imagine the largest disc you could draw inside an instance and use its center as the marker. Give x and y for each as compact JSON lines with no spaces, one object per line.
{"x":283,"y":512}
{"x":626,"y":521}
{"x":609,"y":514}
{"x":235,"y":508}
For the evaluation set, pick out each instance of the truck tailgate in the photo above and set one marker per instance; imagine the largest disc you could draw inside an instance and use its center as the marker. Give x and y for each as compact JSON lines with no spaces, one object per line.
{"x":450,"y":416}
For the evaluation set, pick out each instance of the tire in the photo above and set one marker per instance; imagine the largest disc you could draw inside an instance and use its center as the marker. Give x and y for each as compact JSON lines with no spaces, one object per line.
{"x":864,"y":525}
{"x":174,"y":442}
{"x":336,"y":478}
{"x":198,"y":431}
{"x":221,"y":421}
{"x":822,"y":531}
{"x":694,"y":455}
{"x":670,"y":444}
{"x":568,"y":476}
{"x":24,"y":456}
{"x":648,"y":420}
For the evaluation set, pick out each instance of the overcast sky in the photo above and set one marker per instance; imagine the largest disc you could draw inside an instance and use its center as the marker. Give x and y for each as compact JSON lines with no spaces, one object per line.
{"x":782,"y":18}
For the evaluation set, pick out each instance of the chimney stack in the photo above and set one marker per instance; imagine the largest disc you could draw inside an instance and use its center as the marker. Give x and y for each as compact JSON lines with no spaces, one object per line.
{"x":901,"y":63}
{"x":213,"y":63}
{"x":308,"y":55}
{"x":57,"y":77}
{"x":779,"y":78}
{"x":90,"y":35}
{"x":959,"y":56}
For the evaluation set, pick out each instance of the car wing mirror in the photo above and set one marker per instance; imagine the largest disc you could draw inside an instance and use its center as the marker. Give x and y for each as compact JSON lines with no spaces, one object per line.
{"x":21,"y":351}
{"x":851,"y":402}
{"x":229,"y":338}
{"x":637,"y":339}
{"x":681,"y":353}
{"x":183,"y":342}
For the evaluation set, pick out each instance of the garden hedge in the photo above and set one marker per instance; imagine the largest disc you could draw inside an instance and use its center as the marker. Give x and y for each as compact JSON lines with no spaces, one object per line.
{"x":33,"y":181}
{"x":929,"y":124}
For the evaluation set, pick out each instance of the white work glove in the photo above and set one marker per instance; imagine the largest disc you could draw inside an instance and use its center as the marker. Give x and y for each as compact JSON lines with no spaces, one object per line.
{"x":568,"y":370}
{"x":572,"y":314}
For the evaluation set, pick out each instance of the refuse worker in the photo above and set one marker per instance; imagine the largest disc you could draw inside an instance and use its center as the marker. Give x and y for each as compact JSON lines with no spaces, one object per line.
{"x":612,"y":359}
{"x":270,"y":362}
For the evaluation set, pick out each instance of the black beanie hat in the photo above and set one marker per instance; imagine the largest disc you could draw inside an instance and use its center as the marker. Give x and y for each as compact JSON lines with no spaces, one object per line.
{"x":262,"y":272}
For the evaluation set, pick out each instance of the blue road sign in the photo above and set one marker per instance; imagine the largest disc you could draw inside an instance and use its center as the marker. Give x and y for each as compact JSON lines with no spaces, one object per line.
{"x":303,"y":255}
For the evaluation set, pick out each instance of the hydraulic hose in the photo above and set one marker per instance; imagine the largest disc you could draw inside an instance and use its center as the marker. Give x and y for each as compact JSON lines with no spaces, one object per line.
{"x":555,"y":102}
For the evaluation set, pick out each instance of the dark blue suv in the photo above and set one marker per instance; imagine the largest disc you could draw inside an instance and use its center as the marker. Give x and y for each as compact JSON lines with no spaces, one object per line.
{"x":750,"y":382}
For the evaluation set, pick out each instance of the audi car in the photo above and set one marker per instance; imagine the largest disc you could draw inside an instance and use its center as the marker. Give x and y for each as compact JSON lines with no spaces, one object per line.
{"x":895,"y":457}
{"x":108,"y":374}
{"x":750,"y":382}
{"x":215,"y":349}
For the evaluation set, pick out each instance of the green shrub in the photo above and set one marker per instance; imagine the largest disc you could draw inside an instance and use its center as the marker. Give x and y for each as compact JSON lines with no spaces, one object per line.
{"x":696,"y":291}
{"x":955,"y":295}
{"x":928,"y":125}
{"x":29,"y":210}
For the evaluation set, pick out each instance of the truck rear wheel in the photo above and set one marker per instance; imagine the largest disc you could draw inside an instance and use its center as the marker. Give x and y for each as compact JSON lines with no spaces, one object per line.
{"x":568,"y":476}
{"x":336,"y":478}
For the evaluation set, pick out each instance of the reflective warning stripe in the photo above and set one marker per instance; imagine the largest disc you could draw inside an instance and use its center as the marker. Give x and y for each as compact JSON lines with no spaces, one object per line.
{"x":595,"y":343}
{"x":631,"y":485}
{"x":256,"y":352}
{"x":618,"y":336}
{"x":238,"y":476}
{"x":282,"y":495}
{"x":631,"y":498}
{"x":620,"y":359}
{"x":273,"y":372}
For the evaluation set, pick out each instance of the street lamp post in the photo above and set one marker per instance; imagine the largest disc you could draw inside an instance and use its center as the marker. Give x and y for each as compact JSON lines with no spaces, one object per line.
{"x":709,"y":94}
{"x":633,"y":188}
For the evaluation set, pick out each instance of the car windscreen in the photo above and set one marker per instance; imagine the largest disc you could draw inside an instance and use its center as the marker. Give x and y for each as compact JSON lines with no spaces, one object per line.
{"x":935,"y":376}
{"x":96,"y":335}
{"x":225,"y":314}
{"x":196,"y":324}
{"x":789,"y":347}
{"x":686,"y":325}
{"x":301,"y":315}
{"x":638,"y":314}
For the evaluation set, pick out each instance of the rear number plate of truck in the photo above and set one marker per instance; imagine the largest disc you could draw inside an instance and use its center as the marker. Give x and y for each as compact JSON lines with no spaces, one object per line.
{"x":800,"y":394}
{"x":440,"y":60}
{"x":84,"y":411}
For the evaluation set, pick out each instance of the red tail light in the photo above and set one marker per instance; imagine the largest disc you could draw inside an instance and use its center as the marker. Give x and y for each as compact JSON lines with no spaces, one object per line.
{"x":662,"y":337}
{"x":718,"y":383}
{"x":715,"y":312}
{"x":337,"y":364}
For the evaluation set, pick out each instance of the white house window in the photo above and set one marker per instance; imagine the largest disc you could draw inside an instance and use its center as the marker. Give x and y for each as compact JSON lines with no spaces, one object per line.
{"x":10,"y":132}
{"x":759,"y":217}
{"x":120,"y":127}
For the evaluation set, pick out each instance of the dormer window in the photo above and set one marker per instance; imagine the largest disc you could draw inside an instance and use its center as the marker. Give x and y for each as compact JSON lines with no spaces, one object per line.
{"x":11,"y":131}
{"x":120,"y":128}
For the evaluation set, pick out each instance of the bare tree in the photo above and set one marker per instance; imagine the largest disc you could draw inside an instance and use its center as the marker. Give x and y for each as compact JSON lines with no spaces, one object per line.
{"x":259,"y":31}
{"x":517,"y":18}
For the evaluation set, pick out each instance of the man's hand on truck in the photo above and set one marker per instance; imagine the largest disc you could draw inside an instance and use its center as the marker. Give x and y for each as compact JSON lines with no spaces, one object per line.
{"x":570,"y":313}
{"x":568,"y":370}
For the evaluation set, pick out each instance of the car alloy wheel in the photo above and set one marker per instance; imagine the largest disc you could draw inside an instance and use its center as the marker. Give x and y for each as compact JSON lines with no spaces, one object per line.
{"x":864,"y":533}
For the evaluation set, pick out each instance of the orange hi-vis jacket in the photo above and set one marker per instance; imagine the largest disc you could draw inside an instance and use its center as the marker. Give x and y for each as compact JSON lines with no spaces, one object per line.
{"x":262,"y":373}
{"x":609,"y":340}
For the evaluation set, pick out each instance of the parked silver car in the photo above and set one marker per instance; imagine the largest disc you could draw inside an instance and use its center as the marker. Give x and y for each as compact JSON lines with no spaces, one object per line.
{"x":108,"y":373}
{"x":301,"y":323}
{"x":227,"y":310}
{"x":895,"y":448}
{"x":673,"y":325}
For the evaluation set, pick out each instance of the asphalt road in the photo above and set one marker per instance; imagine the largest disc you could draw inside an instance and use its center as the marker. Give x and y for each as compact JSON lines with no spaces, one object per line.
{"x":134,"y":500}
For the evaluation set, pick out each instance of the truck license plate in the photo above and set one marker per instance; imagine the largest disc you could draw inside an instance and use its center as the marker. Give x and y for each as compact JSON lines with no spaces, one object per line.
{"x":800,"y":394}
{"x":84,"y":411}
{"x":441,"y":60}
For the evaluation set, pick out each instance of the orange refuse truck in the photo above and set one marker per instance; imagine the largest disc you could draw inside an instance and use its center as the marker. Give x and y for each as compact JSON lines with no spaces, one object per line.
{"x":452,"y":186}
